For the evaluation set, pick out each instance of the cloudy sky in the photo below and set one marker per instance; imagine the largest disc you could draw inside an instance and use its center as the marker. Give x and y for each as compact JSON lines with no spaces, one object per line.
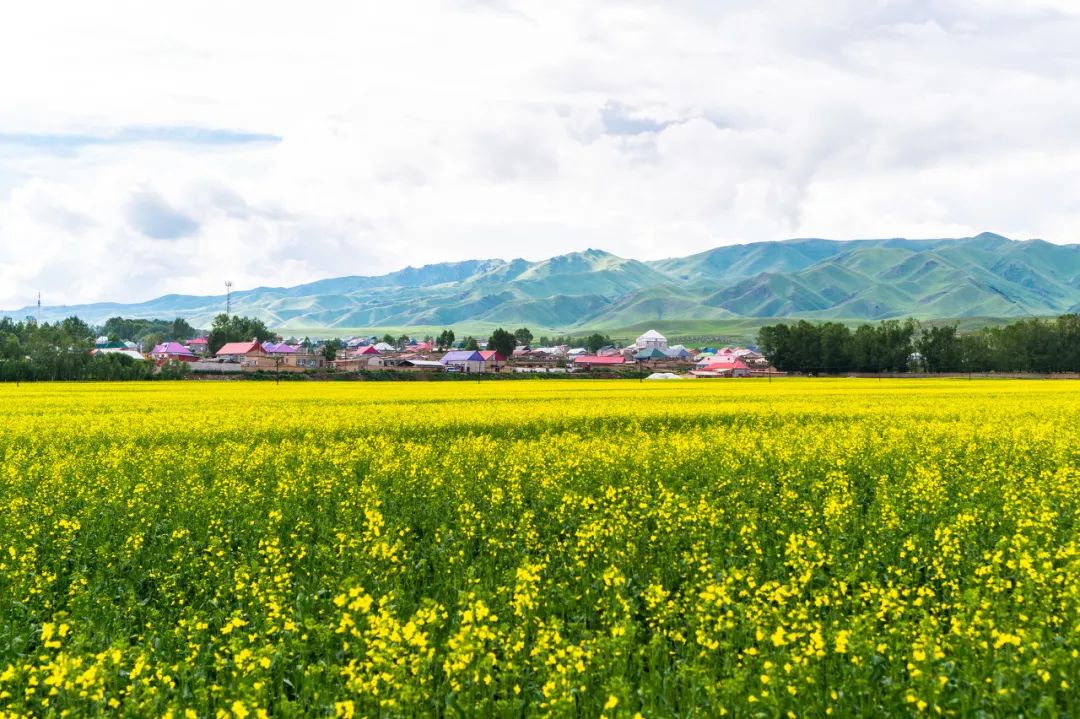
{"x":157,"y":147}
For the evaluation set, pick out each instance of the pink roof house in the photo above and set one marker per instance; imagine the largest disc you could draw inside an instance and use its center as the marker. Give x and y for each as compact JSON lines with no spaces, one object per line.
{"x":172,"y":351}
{"x":240,"y":349}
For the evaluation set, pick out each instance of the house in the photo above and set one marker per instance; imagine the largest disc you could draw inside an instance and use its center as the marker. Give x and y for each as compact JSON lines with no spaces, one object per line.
{"x":380,"y":361}
{"x":351,"y":363}
{"x":720,"y":360}
{"x":384,"y":347}
{"x":250,"y":355}
{"x":420,"y":365}
{"x":278,"y":349}
{"x":307,"y":360}
{"x":172,"y":351}
{"x":735,"y":368}
{"x":678,"y":352}
{"x":292,"y":359}
{"x":492,"y":360}
{"x":199,"y":345}
{"x":133,"y":354}
{"x":463,"y":361}
{"x":368,"y":351}
{"x":652,"y":354}
{"x":651,"y":340}
{"x":590,"y":361}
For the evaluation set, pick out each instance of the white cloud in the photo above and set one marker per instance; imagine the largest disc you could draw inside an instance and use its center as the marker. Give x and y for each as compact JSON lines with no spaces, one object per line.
{"x":147,"y":148}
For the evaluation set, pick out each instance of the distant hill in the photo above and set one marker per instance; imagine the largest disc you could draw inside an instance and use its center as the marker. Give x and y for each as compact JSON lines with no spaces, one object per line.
{"x":983,"y":276}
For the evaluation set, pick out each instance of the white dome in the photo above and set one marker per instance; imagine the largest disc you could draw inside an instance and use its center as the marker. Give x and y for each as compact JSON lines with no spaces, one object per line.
{"x":651,"y":339}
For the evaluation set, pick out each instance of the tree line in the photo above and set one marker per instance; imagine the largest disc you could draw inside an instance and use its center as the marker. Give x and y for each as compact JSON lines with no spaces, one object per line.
{"x":146,"y":333}
{"x":1029,"y":345}
{"x":592,"y":343}
{"x":31,"y":352}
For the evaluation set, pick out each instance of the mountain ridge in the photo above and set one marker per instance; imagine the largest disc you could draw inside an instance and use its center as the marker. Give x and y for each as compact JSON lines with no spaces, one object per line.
{"x":987,"y":275}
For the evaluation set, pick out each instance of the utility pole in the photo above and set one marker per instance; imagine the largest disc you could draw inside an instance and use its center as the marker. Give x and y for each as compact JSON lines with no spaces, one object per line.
{"x":228,"y":298}
{"x":39,"y":307}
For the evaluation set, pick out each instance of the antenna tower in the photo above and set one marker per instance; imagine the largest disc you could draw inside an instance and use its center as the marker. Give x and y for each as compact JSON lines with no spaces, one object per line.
{"x":39,"y":307}
{"x":228,"y":298}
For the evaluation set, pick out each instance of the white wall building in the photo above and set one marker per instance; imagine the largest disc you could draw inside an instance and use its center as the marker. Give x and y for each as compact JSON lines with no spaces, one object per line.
{"x":651,"y":340}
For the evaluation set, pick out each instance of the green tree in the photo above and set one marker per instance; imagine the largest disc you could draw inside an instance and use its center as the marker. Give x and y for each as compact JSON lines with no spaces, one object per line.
{"x":470,"y":343}
{"x":502,"y":342}
{"x":331,"y":348}
{"x":941,"y":349}
{"x":775,"y":344}
{"x":11,"y":348}
{"x":445,"y":340}
{"x":151,"y":340}
{"x":1068,"y":331}
{"x":236,"y":329}
{"x":181,"y":330}
{"x":595,"y":341}
{"x":834,"y":347}
{"x":523,"y":336}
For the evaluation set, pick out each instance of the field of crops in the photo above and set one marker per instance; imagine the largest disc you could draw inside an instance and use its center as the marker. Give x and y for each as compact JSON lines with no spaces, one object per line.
{"x":563,"y":548}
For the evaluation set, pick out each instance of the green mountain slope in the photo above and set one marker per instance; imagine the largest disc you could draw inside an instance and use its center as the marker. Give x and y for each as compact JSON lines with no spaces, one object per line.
{"x":976,"y":277}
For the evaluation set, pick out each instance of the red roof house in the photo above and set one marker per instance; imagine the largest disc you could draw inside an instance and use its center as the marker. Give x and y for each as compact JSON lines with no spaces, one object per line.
{"x":240,"y":349}
{"x":735,"y":368}
{"x":594,"y":360}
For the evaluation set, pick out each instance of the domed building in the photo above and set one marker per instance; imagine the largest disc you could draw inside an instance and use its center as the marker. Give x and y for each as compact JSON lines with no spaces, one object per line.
{"x":651,"y":340}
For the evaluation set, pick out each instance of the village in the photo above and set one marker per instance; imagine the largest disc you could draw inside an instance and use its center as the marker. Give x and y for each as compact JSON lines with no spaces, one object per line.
{"x":650,"y":356}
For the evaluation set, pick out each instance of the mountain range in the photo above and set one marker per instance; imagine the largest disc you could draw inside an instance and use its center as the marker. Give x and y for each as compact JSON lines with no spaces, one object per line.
{"x":983,"y":276}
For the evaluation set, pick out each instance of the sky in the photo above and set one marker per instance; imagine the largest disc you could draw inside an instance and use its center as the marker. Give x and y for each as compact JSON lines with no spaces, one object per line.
{"x":165,"y":147}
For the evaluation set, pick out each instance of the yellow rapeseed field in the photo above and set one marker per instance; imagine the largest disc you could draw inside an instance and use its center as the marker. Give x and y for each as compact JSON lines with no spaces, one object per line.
{"x":560,"y":548}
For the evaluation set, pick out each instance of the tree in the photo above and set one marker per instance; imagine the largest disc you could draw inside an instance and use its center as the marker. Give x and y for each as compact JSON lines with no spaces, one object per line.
{"x":11,"y":348}
{"x":445,"y":340}
{"x":331,"y":348}
{"x":402,"y":342}
{"x":151,"y":341}
{"x":181,"y":330}
{"x":1068,"y":331}
{"x":236,"y":329}
{"x":76,"y":330}
{"x":523,"y":336}
{"x":774,"y":342}
{"x":835,"y":347}
{"x":940,"y":349}
{"x":595,"y":341}
{"x":470,"y":343}
{"x":502,"y":342}
{"x":118,"y":328}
